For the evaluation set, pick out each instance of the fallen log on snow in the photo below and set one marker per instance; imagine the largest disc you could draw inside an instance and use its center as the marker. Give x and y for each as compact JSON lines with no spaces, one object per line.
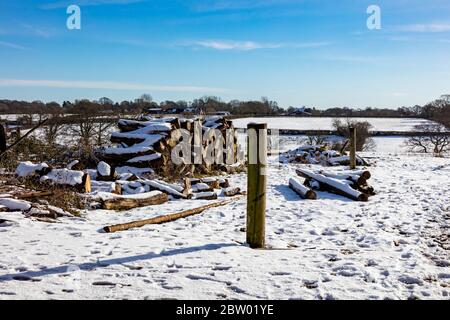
{"x":357,"y":180}
{"x":121,"y":203}
{"x":345,"y":160}
{"x":334,"y":185}
{"x":231,"y":192}
{"x":77,"y":180}
{"x":201,"y":187}
{"x":167,"y":218}
{"x":301,"y":190}
{"x":362,"y":173}
{"x":205,"y":196}
{"x":165,"y":187}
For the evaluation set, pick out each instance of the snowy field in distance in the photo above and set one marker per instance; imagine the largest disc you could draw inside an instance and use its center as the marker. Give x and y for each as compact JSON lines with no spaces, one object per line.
{"x":385,"y":145}
{"x":315,"y":123}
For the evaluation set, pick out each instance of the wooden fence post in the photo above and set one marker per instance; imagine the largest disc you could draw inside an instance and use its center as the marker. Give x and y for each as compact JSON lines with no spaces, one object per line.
{"x":352,"y":148}
{"x":256,"y":184}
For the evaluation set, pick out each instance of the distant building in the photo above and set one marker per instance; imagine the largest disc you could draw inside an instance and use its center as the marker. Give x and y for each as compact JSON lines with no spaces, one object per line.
{"x":302,"y":111}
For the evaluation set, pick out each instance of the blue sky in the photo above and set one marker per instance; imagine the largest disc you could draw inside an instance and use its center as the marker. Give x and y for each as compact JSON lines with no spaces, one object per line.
{"x":318,"y":53}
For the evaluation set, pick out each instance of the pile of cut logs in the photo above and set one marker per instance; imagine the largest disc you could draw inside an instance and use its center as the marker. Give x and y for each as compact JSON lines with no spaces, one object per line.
{"x":319,"y":155}
{"x":148,"y":143}
{"x":350,"y":184}
{"x":144,"y":192}
{"x":124,"y":191}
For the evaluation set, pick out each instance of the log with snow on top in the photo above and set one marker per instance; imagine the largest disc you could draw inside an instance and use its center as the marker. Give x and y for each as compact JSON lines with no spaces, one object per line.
{"x":357,"y":180}
{"x":144,"y":127}
{"x":345,"y":160}
{"x":231,"y":192}
{"x":15,"y":204}
{"x":69,"y":178}
{"x":131,"y":138}
{"x":120,"y":203}
{"x":105,"y":172}
{"x":214,"y":183}
{"x":205,"y":196}
{"x":361,"y":173}
{"x":144,"y":161}
{"x":301,"y":190}
{"x":164,"y":187}
{"x":201,"y":187}
{"x":77,"y":180}
{"x":334,"y":185}
{"x":27,"y":169}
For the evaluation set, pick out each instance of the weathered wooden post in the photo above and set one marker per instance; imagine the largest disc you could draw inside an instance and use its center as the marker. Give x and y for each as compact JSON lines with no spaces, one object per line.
{"x":352,"y":148}
{"x":256,"y":184}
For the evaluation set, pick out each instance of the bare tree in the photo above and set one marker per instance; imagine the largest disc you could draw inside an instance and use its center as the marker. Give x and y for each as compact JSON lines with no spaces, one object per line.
{"x":83,"y":130}
{"x":364,"y":140}
{"x":315,"y":140}
{"x":433,"y":138}
{"x":102,"y":132}
{"x":52,"y":129}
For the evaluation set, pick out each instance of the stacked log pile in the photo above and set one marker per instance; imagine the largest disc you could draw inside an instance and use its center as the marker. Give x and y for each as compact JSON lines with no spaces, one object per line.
{"x":148,"y":143}
{"x":319,"y":155}
{"x":351,"y":184}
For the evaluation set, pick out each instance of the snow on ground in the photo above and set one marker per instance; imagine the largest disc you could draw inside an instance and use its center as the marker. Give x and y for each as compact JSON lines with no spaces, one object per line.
{"x":332,"y":248}
{"x":325,"y":123}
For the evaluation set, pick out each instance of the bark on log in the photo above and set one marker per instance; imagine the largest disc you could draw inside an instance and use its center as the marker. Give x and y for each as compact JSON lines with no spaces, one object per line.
{"x":127,"y":203}
{"x":205,"y":196}
{"x":167,"y":218}
{"x":334,"y":185}
{"x":301,"y":190}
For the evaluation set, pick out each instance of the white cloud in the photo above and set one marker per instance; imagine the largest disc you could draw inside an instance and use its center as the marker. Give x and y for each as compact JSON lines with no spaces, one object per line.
{"x":430,"y":27}
{"x":235,"y":45}
{"x":251,"y":45}
{"x":11,"y":45}
{"x":107,"y":85}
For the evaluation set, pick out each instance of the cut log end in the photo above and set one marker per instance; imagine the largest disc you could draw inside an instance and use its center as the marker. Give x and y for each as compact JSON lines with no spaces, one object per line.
{"x":311,"y":195}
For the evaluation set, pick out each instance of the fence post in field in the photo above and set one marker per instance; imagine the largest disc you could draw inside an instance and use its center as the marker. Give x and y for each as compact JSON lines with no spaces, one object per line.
{"x":256,"y":184}
{"x":352,"y":148}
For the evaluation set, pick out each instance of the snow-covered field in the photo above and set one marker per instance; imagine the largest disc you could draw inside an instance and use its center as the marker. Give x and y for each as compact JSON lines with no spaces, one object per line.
{"x":307,"y":123}
{"x":388,"y":144}
{"x":393,"y":247}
